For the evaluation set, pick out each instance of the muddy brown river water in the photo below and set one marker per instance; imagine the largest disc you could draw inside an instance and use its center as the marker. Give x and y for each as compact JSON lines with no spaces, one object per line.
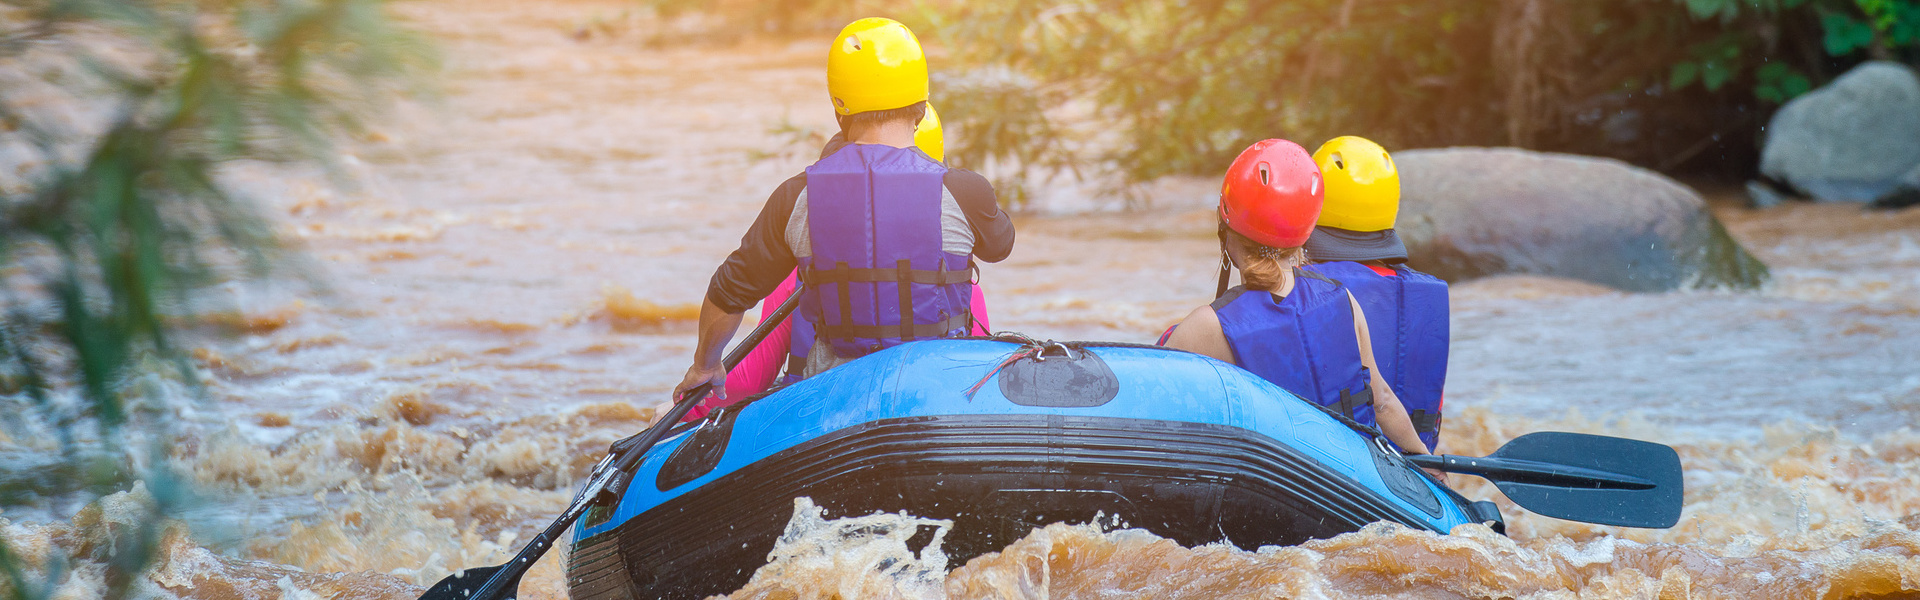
{"x":514,"y":269}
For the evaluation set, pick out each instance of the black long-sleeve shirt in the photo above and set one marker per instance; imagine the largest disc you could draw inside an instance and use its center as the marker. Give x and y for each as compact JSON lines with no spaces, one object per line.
{"x":764,"y":258}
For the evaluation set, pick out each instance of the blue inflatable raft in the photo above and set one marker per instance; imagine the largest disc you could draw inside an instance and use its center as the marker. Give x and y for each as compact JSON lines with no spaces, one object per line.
{"x":1001,"y":437}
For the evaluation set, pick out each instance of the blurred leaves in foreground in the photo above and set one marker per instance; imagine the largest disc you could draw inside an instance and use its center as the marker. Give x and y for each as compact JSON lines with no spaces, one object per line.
{"x":116,"y":117}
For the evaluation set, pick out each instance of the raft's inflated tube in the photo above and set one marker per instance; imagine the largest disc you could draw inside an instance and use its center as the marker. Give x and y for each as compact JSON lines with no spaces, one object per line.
{"x":1181,"y":445}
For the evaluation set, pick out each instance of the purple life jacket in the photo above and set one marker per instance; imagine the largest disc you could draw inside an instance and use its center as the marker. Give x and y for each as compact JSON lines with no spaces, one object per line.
{"x":1302,"y":342}
{"x":879,"y":276}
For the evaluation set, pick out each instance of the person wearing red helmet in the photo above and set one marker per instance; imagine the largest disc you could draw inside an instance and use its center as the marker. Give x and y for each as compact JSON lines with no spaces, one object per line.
{"x":1299,"y":330}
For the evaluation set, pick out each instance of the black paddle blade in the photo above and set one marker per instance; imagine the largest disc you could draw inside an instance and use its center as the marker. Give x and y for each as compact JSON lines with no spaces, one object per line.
{"x":1653,"y":501}
{"x":462,"y":584}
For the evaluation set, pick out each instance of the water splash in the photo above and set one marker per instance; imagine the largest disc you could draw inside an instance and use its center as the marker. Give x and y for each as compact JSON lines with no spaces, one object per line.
{"x":854,"y":557}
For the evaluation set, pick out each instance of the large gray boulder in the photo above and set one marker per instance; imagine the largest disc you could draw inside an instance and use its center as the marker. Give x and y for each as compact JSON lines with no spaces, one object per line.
{"x":1474,"y":212}
{"x":1851,"y":140}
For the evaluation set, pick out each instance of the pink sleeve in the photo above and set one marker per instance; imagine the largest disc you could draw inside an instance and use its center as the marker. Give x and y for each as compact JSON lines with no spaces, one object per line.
{"x":979,"y":308}
{"x":757,"y":371}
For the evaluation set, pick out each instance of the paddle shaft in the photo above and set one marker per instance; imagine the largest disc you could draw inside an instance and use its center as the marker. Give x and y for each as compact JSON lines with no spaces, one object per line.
{"x":1535,"y":472}
{"x":622,"y":457}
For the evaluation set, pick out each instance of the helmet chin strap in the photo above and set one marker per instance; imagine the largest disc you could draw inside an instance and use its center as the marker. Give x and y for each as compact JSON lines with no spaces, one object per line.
{"x":1226,"y":264}
{"x":1226,"y":272}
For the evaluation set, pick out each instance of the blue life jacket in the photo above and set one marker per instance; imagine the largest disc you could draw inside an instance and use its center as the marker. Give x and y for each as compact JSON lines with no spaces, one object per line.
{"x":1303,"y":342}
{"x":879,"y":276}
{"x":1407,"y":319}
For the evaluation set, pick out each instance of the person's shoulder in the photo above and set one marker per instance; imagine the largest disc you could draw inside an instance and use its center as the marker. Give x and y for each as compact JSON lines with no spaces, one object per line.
{"x":962,"y":180}
{"x":1315,"y":284}
{"x":790,"y":189}
{"x":1226,"y":299}
{"x":1417,"y":275}
{"x":1203,"y":315}
{"x":1200,"y":332}
{"x":972,"y":191}
{"x":787,"y":194}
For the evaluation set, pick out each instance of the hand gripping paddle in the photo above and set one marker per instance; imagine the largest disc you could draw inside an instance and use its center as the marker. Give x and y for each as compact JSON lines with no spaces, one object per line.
{"x":603,"y":485}
{"x":1579,"y":477}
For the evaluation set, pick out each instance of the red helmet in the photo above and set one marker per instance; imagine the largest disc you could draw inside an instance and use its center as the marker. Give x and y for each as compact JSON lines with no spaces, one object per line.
{"x":1272,"y":194}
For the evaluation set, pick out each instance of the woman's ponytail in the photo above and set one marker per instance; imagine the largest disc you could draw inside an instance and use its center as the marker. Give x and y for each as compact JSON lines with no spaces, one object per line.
{"x":1264,"y":267}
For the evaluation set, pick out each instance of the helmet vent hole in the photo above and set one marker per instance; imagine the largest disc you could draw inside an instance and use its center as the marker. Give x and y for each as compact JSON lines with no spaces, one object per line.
{"x":1338,"y":162}
{"x":1266,"y":178}
{"x":853,"y":44}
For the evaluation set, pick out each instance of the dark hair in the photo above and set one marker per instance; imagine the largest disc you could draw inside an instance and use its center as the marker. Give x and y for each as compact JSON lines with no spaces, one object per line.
{"x":911,"y":113}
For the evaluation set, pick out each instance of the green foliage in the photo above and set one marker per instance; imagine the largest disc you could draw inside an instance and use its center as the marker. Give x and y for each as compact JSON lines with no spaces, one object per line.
{"x":778,"y":16}
{"x":1897,"y":20}
{"x":794,"y":139}
{"x":996,"y":124}
{"x":1845,"y":34}
{"x":118,"y":219}
{"x":1183,"y":87}
{"x":1779,"y":82}
{"x":1160,"y":87}
{"x":1713,"y":63}
{"x":1846,"y":27}
{"x":1190,"y":83}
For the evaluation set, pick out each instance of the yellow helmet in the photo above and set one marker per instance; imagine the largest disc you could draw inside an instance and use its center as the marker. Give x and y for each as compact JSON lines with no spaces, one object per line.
{"x":1363,"y":187}
{"x":929,"y":137}
{"x":875,"y":64}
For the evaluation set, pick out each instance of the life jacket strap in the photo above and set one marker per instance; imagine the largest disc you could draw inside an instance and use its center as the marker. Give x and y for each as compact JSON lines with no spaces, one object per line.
{"x":1299,"y":272}
{"x":903,"y":273}
{"x":1351,"y":401}
{"x":908,"y":330}
{"x":896,"y":275}
{"x":1425,"y":421}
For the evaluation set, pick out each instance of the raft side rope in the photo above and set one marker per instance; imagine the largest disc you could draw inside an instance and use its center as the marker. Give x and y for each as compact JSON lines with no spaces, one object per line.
{"x":1030,"y":347}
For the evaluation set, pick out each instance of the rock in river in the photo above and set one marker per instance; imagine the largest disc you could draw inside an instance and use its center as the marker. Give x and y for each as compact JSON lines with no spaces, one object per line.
{"x":1473,"y":212}
{"x":1851,"y":140}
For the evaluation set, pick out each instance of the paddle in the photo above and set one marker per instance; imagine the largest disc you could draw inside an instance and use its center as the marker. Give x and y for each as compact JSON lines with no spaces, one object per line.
{"x":608,"y":479}
{"x":1580,"y":477}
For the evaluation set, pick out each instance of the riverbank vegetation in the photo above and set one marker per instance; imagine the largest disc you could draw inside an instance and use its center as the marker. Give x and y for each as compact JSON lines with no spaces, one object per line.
{"x":1676,"y":85}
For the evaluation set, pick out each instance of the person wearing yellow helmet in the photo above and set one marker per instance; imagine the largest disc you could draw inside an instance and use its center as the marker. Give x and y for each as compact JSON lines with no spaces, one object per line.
{"x":884,"y":235}
{"x":1354,"y":242}
{"x":760,"y":370}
